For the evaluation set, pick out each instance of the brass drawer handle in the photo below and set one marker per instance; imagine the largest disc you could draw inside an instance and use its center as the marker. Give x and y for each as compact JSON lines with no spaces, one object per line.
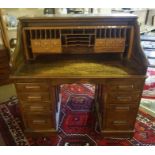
{"x":122,"y":108}
{"x":34,"y":97}
{"x":37,"y":108}
{"x":124,"y":98}
{"x":38,"y":121}
{"x":32,"y":87}
{"x":125,"y":86}
{"x":120,"y":122}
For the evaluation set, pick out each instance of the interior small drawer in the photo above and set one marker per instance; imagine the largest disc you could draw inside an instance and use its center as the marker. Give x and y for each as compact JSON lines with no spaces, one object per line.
{"x":125,"y":84}
{"x":46,"y":45}
{"x":27,"y":87}
{"x":36,"y":122}
{"x":123,"y":97}
{"x":34,"y":97}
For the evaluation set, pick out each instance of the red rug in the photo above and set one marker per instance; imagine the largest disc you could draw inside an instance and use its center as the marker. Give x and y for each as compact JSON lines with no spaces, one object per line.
{"x":77,"y":124}
{"x":149,"y":88}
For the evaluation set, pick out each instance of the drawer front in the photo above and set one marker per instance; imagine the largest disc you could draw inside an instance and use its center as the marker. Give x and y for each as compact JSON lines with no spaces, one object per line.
{"x":4,"y":76}
{"x":4,"y":65}
{"x":117,"y":111}
{"x":124,"y":98}
{"x":3,"y":61}
{"x":120,"y":117}
{"x":46,"y":46}
{"x":4,"y":71}
{"x":119,"y":124}
{"x":28,"y":87}
{"x":3,"y":54}
{"x":36,"y":108}
{"x":125,"y":84}
{"x":34,"y":97}
{"x":109,"y":45}
{"x":100,"y":49}
{"x":39,"y":122}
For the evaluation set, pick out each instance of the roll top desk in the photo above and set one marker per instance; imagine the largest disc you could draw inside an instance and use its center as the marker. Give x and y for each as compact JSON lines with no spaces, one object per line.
{"x":100,"y":50}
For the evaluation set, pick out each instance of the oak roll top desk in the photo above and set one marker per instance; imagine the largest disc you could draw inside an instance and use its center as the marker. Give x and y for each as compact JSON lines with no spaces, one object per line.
{"x":100,"y":50}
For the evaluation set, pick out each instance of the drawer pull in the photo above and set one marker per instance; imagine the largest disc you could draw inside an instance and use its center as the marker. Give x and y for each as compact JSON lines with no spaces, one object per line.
{"x":38,"y":121}
{"x":122,"y":108}
{"x":34,"y":97}
{"x":124,"y":98}
{"x":36,"y":108}
{"x":32,"y":87}
{"x":125,"y":86}
{"x":120,"y":122}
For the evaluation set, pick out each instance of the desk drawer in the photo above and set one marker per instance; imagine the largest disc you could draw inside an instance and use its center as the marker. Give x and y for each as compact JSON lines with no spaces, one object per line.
{"x":121,"y":107}
{"x":123,"y":97}
{"x":3,"y":54}
{"x":119,"y":124}
{"x":125,"y":84}
{"x":28,"y":87}
{"x":39,"y":122}
{"x":34,"y":97}
{"x":120,"y":117}
{"x":117,"y":111}
{"x":36,"y":108}
{"x":4,"y":66}
{"x":4,"y":71}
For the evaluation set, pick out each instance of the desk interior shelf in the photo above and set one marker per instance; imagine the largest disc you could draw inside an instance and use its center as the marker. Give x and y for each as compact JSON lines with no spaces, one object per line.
{"x":77,"y":40}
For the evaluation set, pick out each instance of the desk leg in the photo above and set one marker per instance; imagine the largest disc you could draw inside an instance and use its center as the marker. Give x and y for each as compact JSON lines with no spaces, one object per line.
{"x":56,"y":101}
{"x":57,"y":97}
{"x":99,"y":104}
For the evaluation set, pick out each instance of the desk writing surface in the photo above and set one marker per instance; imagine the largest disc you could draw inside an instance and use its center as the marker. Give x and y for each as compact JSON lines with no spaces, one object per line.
{"x":74,"y":68}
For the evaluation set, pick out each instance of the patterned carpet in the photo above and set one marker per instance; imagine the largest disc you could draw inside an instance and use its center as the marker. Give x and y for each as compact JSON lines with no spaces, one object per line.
{"x":77,"y":123}
{"x":149,"y":88}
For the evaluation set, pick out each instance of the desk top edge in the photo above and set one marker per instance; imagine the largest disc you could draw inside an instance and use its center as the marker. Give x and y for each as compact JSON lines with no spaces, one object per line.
{"x":76,"y":16}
